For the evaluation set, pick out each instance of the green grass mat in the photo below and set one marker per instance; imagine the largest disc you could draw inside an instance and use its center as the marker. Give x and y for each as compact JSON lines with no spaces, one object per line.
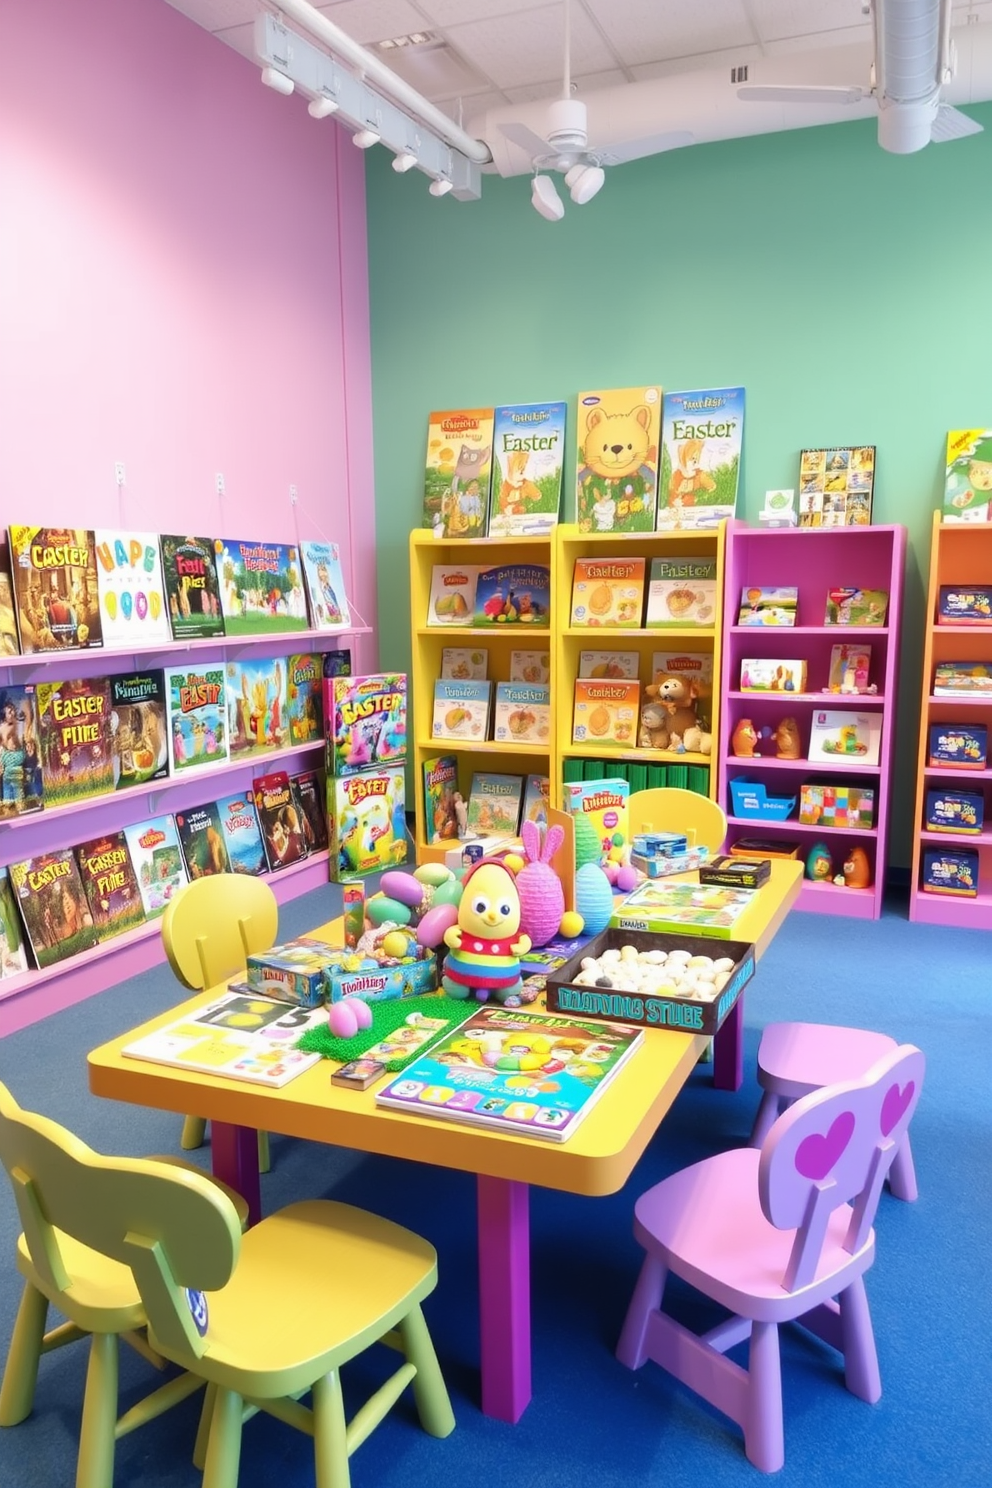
{"x":386,"y":1018}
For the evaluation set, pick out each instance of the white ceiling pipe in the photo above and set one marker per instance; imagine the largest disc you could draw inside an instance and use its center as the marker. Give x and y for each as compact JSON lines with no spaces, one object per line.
{"x":907,"y":49}
{"x":316,"y":24}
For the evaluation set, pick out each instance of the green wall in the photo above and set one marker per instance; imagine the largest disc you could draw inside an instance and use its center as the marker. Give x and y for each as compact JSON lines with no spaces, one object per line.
{"x":849,"y":292}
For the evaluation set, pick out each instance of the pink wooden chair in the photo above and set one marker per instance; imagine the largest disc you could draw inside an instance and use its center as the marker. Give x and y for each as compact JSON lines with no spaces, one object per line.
{"x":780,"y":1235}
{"x":797,"y":1058}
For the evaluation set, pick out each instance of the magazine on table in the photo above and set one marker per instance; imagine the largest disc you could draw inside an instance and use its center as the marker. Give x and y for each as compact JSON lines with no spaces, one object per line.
{"x":237,"y":1037}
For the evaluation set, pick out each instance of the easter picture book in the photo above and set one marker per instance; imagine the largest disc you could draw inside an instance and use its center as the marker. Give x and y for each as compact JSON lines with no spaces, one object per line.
{"x":536,"y":1074}
{"x":528,"y":459}
{"x":237,"y":1037}
{"x":701,"y":437}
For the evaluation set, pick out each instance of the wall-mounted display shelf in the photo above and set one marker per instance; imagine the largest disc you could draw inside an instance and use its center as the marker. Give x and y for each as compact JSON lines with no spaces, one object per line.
{"x":961,"y":559}
{"x":812,"y":561}
{"x":498,"y":641}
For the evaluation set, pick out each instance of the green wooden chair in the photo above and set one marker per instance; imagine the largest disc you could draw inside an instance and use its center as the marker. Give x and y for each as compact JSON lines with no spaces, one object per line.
{"x":97,"y":1295}
{"x":208,"y":931}
{"x":262,"y":1319}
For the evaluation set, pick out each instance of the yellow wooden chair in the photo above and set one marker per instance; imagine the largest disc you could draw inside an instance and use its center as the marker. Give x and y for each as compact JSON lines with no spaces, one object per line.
{"x":262,"y":1318}
{"x":668,"y":809}
{"x":97,"y":1295}
{"x":208,"y":931}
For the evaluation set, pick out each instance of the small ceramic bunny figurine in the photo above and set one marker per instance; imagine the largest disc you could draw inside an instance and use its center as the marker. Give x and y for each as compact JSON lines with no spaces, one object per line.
{"x":542,"y":899}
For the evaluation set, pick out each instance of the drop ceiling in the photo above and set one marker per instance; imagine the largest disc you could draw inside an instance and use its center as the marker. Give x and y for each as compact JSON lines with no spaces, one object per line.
{"x":484,"y":53}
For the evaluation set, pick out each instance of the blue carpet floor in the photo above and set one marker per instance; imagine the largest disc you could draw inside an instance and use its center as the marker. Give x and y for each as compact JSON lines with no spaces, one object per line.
{"x":591,"y":1421}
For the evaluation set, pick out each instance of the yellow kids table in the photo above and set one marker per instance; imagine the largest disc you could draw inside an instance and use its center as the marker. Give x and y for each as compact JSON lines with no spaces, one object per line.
{"x":597,"y":1159}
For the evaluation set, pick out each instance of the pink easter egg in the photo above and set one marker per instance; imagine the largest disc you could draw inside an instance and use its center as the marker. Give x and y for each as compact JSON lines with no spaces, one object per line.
{"x":627,"y":879}
{"x":342,"y":1019}
{"x":612,"y":871}
{"x":402,"y":886}
{"x":361,"y":1010}
{"x":430,"y":931}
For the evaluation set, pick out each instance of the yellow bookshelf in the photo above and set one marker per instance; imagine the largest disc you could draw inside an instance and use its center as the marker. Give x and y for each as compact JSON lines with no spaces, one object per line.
{"x":568,"y":641}
{"x":428,"y":643}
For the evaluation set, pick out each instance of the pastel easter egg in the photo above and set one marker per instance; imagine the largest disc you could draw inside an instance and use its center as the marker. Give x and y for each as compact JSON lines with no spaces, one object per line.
{"x":342,"y":1019}
{"x":627,"y":879}
{"x":141,"y":604}
{"x":111,"y":601}
{"x":572,"y":924}
{"x":432,"y":873}
{"x":126,"y":604}
{"x":402,"y":886}
{"x":395,"y":944}
{"x":448,"y":893}
{"x":381,"y":908}
{"x":438,"y":919}
{"x":360,"y":1011}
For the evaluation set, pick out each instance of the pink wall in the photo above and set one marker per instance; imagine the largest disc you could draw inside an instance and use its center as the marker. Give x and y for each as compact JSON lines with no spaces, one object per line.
{"x":183,"y":287}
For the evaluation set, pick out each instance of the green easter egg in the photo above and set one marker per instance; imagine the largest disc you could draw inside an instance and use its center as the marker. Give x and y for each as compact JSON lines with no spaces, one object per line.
{"x":432,"y":873}
{"x":587,"y":844}
{"x":379,"y":909}
{"x":450,"y":892}
{"x":618,"y":839}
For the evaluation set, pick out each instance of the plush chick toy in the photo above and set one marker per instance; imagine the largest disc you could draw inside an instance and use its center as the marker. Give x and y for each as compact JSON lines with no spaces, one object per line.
{"x":484,"y":945}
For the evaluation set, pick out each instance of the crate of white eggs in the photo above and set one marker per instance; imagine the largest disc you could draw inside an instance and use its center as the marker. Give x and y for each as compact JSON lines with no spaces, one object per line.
{"x":657,"y":980}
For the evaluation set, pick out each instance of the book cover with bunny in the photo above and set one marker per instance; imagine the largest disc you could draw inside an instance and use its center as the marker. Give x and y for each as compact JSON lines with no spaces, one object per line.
{"x":366,"y":814}
{"x":528,"y":460}
{"x":701,"y":437}
{"x":616,"y":466}
{"x":458,"y":471}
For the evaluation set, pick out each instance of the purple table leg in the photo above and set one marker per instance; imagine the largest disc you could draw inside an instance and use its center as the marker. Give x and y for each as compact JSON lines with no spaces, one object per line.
{"x":728,"y":1050}
{"x":504,"y":1297}
{"x":234,"y":1155}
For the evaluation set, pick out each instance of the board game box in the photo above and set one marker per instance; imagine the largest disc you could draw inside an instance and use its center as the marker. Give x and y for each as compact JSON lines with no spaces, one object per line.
{"x":130,"y":588}
{"x":366,"y":815}
{"x":473,"y":1073}
{"x":110,"y":884}
{"x":850,"y":606}
{"x":841,"y":736}
{"x":76,"y":732}
{"x":958,"y":746}
{"x":366,"y":721}
{"x":955,"y":811}
{"x":310,"y":793}
{"x":836,"y":806}
{"x":964,"y":604}
{"x":522,"y":713}
{"x":513,"y":594}
{"x":494,"y":804}
{"x":53,"y":906}
{"x":280,"y":820}
{"x":772,"y":674}
{"x":304,"y":699}
{"x":963,"y":679}
{"x":702,"y":909}
{"x":461,"y":710}
{"x":21,"y":783}
{"x":605,"y":713}
{"x":608,"y":592}
{"x":701,"y":437}
{"x":138,"y":714}
{"x":197,"y":717}
{"x":256,"y":690}
{"x":158,"y":862}
{"x":768,"y":606}
{"x":440,"y":789}
{"x":189,"y":572}
{"x":968,"y":476}
{"x":458,"y":472}
{"x":528,"y":459}
{"x":54,"y":578}
{"x":950,"y":871}
{"x":325,"y":585}
{"x":606,"y":803}
{"x":261,"y":587}
{"x":616,"y":465}
{"x":681,"y":591}
{"x":240,"y":831}
{"x":452,"y":596}
{"x":202,"y":841}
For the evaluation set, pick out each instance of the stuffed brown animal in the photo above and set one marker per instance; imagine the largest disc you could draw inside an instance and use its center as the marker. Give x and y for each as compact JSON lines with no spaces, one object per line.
{"x":668,"y":716}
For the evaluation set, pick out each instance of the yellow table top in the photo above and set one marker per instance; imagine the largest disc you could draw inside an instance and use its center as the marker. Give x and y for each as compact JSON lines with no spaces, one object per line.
{"x":597,"y":1159}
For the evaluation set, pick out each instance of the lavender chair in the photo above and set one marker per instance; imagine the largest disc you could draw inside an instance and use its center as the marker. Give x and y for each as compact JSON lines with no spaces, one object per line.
{"x":780,"y":1235}
{"x":797,"y":1058}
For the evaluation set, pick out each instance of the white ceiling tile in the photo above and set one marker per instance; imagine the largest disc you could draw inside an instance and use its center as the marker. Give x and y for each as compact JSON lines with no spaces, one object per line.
{"x":457,"y":12}
{"x":551,"y":88}
{"x":812,"y":20}
{"x":436,"y":72}
{"x":645,"y":31}
{"x":372,"y":20}
{"x":522,"y":49}
{"x":214,"y":15}
{"x":706,"y":62}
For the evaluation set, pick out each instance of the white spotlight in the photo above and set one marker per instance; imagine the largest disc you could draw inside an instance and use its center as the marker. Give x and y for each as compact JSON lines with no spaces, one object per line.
{"x":366,"y":138}
{"x":440,"y":187}
{"x":277,"y":81}
{"x":545,"y":198}
{"x":404,"y":161}
{"x":583,"y":181}
{"x":321,"y":108}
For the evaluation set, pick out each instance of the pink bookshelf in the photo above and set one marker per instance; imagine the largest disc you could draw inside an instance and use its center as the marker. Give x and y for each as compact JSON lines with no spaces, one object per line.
{"x":961,"y":554}
{"x":812,"y":560}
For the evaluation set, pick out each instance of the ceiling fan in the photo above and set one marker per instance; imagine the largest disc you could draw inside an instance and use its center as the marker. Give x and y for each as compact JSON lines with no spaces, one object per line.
{"x":565,"y":146}
{"x":914,"y":59}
